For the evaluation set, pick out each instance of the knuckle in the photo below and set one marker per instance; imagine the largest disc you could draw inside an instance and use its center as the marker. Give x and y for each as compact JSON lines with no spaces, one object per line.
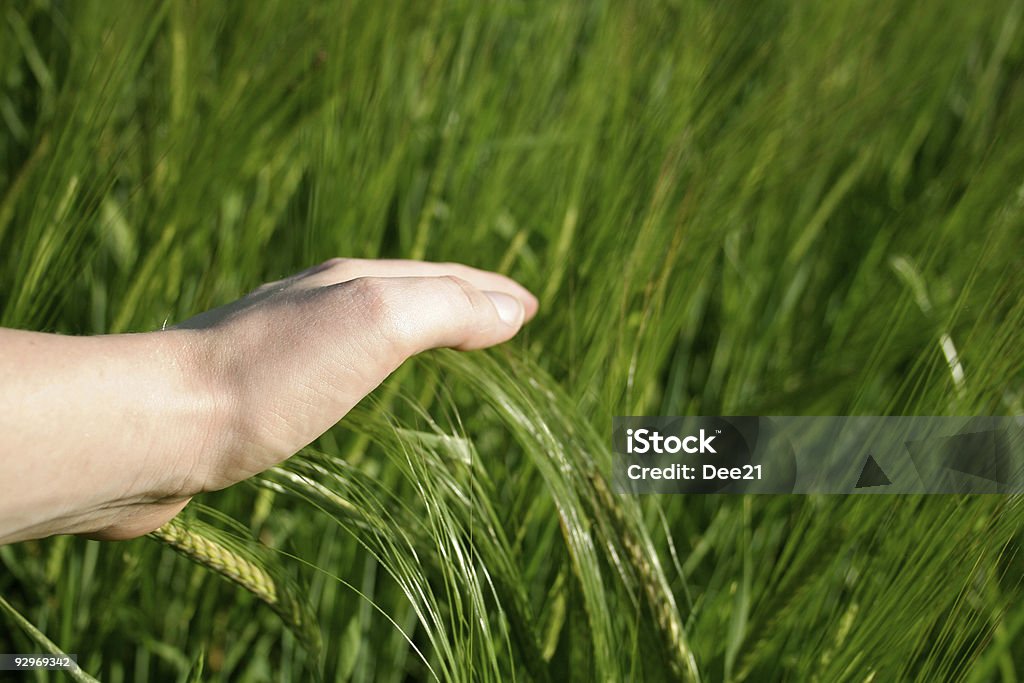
{"x":461,"y":292}
{"x":371,"y":296}
{"x":473,"y":313}
{"x":374,"y":304}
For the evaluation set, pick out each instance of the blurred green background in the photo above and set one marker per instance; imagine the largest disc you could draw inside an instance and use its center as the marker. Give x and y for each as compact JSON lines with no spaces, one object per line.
{"x":774,"y":208}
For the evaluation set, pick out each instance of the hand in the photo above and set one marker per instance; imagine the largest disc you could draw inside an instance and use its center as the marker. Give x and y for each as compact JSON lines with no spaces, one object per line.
{"x":297,"y":354}
{"x":222,"y":396}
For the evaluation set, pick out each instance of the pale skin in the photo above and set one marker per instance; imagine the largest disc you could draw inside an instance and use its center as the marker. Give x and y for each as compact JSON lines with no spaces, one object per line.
{"x":111,"y":436}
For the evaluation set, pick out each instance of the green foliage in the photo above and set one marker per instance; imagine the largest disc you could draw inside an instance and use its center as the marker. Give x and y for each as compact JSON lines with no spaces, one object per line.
{"x":726,"y":208}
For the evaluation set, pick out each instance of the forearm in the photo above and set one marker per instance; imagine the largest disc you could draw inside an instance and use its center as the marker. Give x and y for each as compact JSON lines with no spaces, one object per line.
{"x":90,"y":426}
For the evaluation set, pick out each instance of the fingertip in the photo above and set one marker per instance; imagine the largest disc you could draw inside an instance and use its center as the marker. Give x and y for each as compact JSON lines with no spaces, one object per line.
{"x":511,"y":310}
{"x":526,"y":297}
{"x":530,"y":306}
{"x":504,"y":284}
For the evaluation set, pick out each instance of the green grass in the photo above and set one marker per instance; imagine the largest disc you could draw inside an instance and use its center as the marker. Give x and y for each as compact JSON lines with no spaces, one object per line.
{"x":725,"y":208}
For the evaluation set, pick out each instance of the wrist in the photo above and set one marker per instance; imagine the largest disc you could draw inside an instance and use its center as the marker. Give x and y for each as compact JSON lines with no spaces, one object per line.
{"x":112,"y":433}
{"x":202,"y":399}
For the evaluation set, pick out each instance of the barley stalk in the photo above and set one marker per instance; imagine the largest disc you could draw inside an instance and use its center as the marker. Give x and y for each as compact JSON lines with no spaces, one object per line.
{"x":42,"y":641}
{"x":659,"y":596}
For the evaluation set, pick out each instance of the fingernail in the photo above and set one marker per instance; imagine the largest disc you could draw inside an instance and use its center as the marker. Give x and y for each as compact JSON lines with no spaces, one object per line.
{"x":510,"y":310}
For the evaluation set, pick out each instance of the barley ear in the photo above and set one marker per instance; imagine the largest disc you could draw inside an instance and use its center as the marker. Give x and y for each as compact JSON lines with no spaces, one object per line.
{"x":247,"y":566}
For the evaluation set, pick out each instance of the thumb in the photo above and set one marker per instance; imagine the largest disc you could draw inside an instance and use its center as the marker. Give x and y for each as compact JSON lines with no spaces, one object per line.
{"x":414,"y":314}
